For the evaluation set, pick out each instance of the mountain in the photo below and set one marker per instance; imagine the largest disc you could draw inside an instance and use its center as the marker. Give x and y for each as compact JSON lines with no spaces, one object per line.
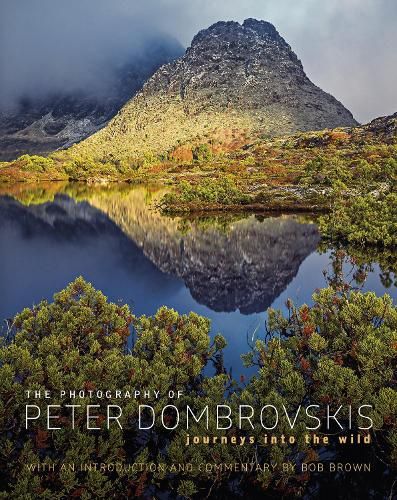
{"x":42,"y":124}
{"x":234,"y":82}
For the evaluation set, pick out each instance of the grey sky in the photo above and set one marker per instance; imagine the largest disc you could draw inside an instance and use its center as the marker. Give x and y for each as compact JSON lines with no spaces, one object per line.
{"x":348,"y":47}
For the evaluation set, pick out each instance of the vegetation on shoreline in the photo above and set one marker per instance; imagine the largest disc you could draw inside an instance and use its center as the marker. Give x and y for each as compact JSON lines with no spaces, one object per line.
{"x":60,"y":166}
{"x":339,"y":351}
{"x":366,"y":220}
{"x":350,"y":173}
{"x":319,"y":158}
{"x":230,"y":194}
{"x":223,"y":192}
{"x":358,"y":197}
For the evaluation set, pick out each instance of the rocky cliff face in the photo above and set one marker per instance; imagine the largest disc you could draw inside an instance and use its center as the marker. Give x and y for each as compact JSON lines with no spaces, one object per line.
{"x":233,"y":82}
{"x":41,"y":125}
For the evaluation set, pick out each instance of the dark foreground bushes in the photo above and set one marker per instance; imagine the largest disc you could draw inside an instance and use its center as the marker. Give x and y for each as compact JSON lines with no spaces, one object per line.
{"x":342,"y":350}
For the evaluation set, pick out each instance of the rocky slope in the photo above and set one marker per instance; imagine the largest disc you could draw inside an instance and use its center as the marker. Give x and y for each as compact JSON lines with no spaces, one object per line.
{"x":234,"y":82}
{"x":41,"y":125}
{"x":384,"y":128}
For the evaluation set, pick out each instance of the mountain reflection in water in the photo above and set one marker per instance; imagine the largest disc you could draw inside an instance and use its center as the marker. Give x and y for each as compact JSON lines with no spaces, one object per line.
{"x":243,"y":267}
{"x":228,"y":271}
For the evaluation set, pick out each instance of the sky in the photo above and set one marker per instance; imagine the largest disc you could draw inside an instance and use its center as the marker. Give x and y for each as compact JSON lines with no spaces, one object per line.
{"x":347,"y":47}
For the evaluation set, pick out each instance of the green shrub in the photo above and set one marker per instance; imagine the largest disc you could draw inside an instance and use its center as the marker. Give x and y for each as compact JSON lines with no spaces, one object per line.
{"x":353,"y":171}
{"x":365,"y":220}
{"x":325,"y":171}
{"x":35,"y":163}
{"x":80,"y":341}
{"x":342,"y":350}
{"x":83,"y":167}
{"x":202,"y":152}
{"x":222,"y":191}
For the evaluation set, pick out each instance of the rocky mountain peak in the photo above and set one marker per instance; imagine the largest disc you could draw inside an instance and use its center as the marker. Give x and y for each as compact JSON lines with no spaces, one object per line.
{"x":234,"y":83}
{"x":231,"y":31}
{"x":261,"y":27}
{"x":229,"y":55}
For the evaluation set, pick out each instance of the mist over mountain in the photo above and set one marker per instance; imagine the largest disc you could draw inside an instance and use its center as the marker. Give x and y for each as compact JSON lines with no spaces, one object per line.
{"x":234,"y":83}
{"x":47,"y":46}
{"x":43,"y":121}
{"x":51,"y":50}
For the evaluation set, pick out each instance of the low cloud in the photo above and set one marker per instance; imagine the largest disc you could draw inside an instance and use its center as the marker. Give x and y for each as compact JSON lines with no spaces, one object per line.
{"x":347,"y":47}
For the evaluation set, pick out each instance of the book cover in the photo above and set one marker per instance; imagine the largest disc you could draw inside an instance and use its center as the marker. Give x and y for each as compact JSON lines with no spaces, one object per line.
{"x":198,"y":218}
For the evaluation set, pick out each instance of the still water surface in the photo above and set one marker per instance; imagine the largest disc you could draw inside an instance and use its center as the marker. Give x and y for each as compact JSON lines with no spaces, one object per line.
{"x":228,"y":270}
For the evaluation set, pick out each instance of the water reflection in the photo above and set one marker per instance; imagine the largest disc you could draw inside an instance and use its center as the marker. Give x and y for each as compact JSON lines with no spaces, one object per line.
{"x":230,"y":270}
{"x":243,"y":266}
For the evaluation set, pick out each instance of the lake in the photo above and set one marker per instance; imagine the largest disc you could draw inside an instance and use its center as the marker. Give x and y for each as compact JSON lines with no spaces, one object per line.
{"x":229,"y":268}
